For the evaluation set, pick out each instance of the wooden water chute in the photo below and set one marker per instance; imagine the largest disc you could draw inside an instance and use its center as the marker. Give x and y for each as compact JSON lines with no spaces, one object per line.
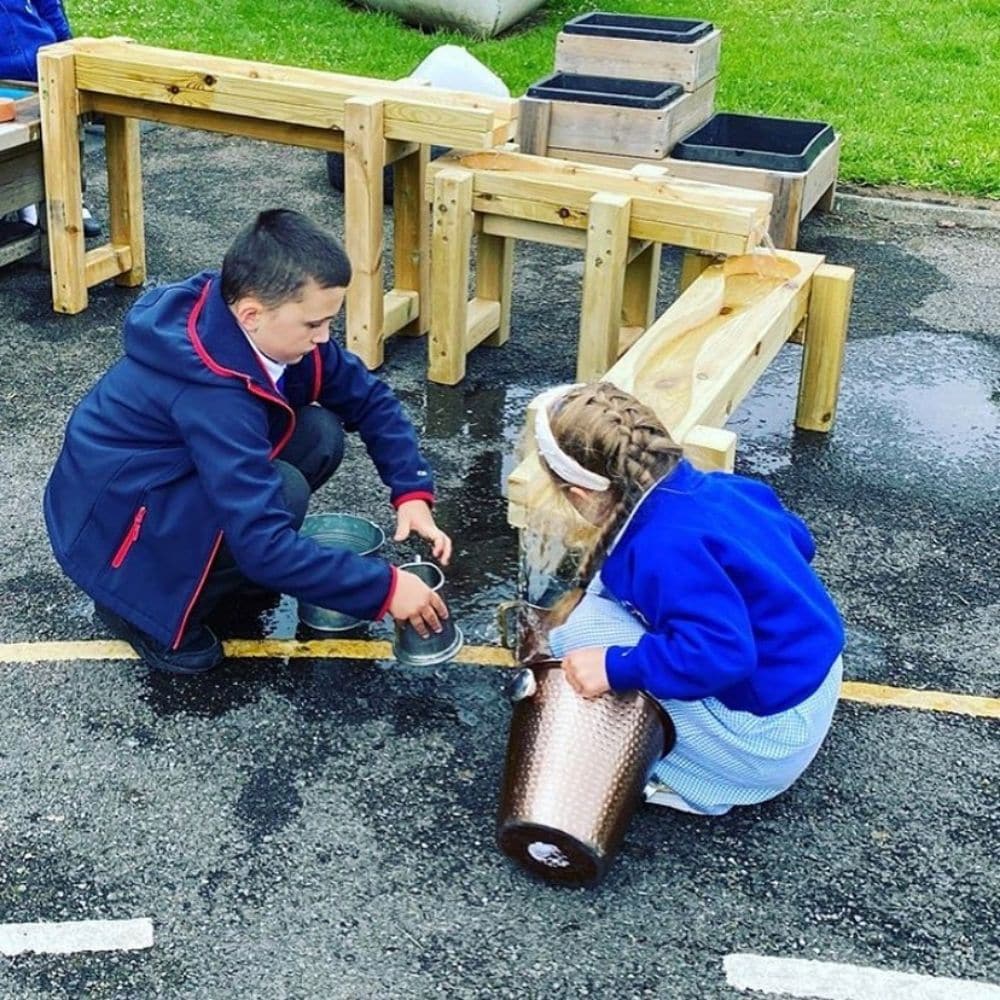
{"x":373,"y":122}
{"x":619,"y":218}
{"x":700,"y":358}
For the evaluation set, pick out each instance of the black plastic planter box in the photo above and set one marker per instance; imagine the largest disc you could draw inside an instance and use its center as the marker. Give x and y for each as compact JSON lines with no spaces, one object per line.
{"x":608,"y":90}
{"x":785,"y":144}
{"x":676,"y":31}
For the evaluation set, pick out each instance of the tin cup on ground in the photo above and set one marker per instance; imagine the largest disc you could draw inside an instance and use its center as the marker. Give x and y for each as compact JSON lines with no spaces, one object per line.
{"x":345,"y":531}
{"x":408,"y":646}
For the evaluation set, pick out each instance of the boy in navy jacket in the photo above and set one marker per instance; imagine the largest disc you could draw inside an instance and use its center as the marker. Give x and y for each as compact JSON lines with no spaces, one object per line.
{"x":186,"y":470}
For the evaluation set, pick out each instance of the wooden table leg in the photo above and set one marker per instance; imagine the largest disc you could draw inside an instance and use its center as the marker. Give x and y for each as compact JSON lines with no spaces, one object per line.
{"x":823,"y":353}
{"x":451,"y":247}
{"x":126,"y":222}
{"x":364,"y":161}
{"x":642,"y":278}
{"x":606,"y":254}
{"x":63,"y":178}
{"x":411,"y":236}
{"x":494,"y":277}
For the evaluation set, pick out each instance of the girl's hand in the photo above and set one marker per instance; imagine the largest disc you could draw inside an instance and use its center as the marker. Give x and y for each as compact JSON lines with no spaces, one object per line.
{"x":584,"y":669}
{"x":414,"y":602}
{"x":415,"y":515}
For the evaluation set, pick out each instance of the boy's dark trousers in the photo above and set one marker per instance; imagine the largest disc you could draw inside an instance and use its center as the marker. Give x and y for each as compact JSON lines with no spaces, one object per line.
{"x":310,"y":458}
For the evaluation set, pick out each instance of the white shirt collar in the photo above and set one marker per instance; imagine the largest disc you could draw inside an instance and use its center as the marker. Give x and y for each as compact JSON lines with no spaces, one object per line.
{"x":275,"y":369}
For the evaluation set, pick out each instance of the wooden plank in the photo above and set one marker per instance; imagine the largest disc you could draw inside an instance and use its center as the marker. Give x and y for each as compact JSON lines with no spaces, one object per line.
{"x":107,"y":261}
{"x":821,"y":177}
{"x":690,"y":65}
{"x":533,"y":126}
{"x":831,"y":291}
{"x":313,"y":105}
{"x":483,"y":320}
{"x":63,"y":177}
{"x":530,"y":230}
{"x":641,"y":229}
{"x":494,"y":279}
{"x":698,"y":360}
{"x":125,"y":207}
{"x":451,"y":246}
{"x":122,"y":50}
{"x":364,"y":160}
{"x":22,"y":180}
{"x":20,"y":248}
{"x":570,"y":186}
{"x":400,"y":308}
{"x":411,"y":235}
{"x":328,"y":140}
{"x":711,"y":449}
{"x":603,"y":279}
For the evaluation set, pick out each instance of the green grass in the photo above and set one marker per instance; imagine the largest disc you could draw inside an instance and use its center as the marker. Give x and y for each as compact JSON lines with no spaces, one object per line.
{"x":913,"y":85}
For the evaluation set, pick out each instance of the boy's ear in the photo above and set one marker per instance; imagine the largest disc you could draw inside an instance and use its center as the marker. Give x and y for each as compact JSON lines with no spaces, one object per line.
{"x":247,"y":311}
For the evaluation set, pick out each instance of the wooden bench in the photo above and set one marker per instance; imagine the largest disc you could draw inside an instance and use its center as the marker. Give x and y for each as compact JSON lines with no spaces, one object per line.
{"x":619,"y":218}
{"x":373,"y":122}
{"x":702,"y":356}
{"x":22,"y":181}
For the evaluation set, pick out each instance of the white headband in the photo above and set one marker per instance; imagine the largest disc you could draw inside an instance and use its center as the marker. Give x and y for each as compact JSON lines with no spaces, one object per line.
{"x":565,"y":467}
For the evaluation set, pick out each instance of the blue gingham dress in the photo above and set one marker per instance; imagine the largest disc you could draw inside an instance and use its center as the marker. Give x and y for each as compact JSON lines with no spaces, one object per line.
{"x":722,"y":757}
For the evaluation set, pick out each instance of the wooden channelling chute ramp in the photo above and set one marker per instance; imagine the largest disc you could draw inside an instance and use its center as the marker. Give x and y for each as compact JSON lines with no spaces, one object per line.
{"x":699,"y":359}
{"x":374,"y":123}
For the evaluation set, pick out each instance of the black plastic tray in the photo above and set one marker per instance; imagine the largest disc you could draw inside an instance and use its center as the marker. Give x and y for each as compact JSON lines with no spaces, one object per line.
{"x":754,"y":141}
{"x":677,"y":31}
{"x":614,"y":90}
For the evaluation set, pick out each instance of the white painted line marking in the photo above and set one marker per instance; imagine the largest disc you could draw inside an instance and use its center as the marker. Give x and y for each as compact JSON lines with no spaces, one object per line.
{"x":76,"y":935}
{"x":801,"y":977}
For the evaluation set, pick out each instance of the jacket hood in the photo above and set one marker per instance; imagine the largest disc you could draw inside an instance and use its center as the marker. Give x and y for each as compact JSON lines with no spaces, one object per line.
{"x":186,"y":330}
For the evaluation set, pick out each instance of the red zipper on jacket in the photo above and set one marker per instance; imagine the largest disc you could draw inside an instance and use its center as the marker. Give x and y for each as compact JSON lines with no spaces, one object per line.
{"x":131,"y":537}
{"x":254,"y":389}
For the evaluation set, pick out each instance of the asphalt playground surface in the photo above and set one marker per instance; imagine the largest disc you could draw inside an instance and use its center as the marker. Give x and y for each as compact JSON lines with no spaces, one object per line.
{"x":324,"y":828}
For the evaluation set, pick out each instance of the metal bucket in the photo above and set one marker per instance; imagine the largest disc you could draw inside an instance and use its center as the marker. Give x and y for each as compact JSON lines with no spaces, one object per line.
{"x":575,"y":773}
{"x":343,"y":531}
{"x":412,"y":649}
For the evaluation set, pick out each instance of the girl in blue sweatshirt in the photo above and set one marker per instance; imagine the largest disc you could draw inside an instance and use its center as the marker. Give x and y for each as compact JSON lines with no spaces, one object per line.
{"x":699,"y":592}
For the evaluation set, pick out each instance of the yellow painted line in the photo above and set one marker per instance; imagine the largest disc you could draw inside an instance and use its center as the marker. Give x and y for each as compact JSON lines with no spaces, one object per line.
{"x":484,"y":656}
{"x":925,"y":701}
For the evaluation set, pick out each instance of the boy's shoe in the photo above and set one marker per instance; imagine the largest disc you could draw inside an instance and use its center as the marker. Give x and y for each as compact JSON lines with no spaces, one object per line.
{"x":656,"y":793}
{"x":200,"y":652}
{"x":91,"y":227}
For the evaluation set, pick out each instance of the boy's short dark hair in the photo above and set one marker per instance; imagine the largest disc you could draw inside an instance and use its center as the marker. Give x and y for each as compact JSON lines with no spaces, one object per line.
{"x":277,"y":253}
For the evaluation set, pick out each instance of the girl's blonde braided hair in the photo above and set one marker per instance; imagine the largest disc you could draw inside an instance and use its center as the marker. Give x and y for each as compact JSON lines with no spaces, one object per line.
{"x":610,"y":432}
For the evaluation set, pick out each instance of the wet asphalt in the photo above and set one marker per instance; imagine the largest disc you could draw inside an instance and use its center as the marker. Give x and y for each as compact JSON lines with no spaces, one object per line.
{"x":324,"y":829}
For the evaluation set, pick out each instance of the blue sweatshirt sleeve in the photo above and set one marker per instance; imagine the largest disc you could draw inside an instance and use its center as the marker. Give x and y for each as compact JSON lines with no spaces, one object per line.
{"x":226,"y":433}
{"x":364,"y":403}
{"x":700,"y":639}
{"x":52,"y":12}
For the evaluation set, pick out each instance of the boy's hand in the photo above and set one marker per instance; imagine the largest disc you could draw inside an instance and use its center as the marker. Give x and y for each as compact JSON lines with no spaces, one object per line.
{"x":415,"y":515}
{"x":414,"y":602}
{"x":584,"y":669}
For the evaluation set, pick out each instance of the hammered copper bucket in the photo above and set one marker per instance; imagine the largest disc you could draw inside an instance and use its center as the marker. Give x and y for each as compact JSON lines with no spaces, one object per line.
{"x":575,"y":773}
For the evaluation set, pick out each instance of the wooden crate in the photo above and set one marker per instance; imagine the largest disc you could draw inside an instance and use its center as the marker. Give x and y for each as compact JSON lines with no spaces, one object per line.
{"x":566,"y":127}
{"x":795,"y":194}
{"x":692,"y":65}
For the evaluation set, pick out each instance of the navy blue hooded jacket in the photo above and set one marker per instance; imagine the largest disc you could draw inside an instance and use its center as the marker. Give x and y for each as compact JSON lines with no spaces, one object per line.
{"x":719,"y":573}
{"x":25,"y":26}
{"x":171,"y":451}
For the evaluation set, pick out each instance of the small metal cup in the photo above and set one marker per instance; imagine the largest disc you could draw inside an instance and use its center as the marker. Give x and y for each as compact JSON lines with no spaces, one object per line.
{"x":343,"y":531}
{"x":408,"y":646}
